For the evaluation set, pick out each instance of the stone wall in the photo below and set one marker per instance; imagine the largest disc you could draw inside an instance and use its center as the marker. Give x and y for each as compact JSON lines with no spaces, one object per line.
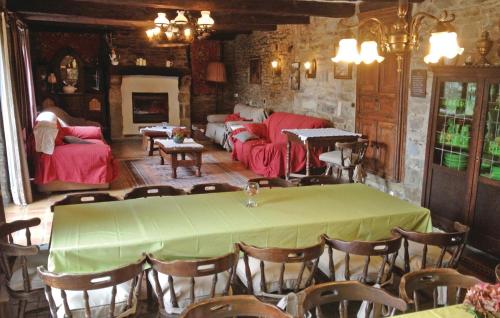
{"x":334,"y":99}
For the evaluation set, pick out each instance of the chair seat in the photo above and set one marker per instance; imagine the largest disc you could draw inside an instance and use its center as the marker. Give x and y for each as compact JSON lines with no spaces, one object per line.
{"x":356,"y":265}
{"x":333,"y":157}
{"x":415,"y":251}
{"x":99,"y":302}
{"x":16,"y":282}
{"x":272,"y":275}
{"x":182,"y":286}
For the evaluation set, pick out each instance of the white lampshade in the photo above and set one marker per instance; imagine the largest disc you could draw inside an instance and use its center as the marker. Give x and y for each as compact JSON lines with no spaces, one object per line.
{"x":161,"y":20}
{"x":369,"y":52}
{"x":443,"y":44}
{"x":180,"y":18}
{"x":206,"y":19}
{"x":216,"y":72}
{"x":347,"y":52}
{"x":150,"y":33}
{"x":169,"y":35}
{"x":274,"y":64}
{"x":307,"y":65}
{"x":187,"y":33}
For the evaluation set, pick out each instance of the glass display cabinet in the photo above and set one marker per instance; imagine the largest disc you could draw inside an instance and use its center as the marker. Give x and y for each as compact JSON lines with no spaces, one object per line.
{"x":462,"y":170}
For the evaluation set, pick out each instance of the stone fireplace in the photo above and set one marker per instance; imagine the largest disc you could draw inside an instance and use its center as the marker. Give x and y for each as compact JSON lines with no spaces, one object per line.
{"x":140,"y":97}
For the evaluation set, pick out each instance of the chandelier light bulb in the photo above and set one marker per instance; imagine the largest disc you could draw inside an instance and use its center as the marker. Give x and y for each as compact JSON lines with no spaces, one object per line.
{"x":369,"y":52}
{"x":161,"y":20}
{"x":443,"y":44}
{"x":307,"y":65}
{"x":274,"y":64}
{"x":187,"y":33}
{"x":205,"y":19}
{"x":180,"y":18}
{"x":348,"y":52}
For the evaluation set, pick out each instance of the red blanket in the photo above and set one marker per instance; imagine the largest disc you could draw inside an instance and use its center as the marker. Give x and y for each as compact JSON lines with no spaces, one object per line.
{"x":267,"y":157}
{"x":80,"y":163}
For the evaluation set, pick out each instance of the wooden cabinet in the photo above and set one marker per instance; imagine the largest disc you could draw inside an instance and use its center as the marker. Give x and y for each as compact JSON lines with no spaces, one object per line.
{"x":381,"y":109}
{"x":462,"y":177}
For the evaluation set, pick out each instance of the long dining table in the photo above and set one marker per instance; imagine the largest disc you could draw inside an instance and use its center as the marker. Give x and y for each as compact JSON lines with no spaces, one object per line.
{"x":100,"y":236}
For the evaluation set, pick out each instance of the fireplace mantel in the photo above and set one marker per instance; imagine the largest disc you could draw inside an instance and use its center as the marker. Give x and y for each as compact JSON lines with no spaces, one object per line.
{"x":148,"y":70}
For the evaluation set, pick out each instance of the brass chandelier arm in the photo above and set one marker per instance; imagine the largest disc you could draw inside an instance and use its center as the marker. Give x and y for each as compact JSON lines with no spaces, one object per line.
{"x":416,"y":24}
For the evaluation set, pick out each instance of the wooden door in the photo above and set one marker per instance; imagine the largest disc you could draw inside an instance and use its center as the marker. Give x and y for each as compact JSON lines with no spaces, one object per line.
{"x":386,"y":149}
{"x":368,"y":128}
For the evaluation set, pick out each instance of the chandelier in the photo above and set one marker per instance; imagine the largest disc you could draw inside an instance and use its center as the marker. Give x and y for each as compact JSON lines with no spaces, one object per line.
{"x":180,"y":31}
{"x":401,"y":38}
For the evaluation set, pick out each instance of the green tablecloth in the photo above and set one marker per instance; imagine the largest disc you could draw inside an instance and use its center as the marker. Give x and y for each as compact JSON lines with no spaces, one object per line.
{"x":456,"y":311}
{"x":100,"y":236}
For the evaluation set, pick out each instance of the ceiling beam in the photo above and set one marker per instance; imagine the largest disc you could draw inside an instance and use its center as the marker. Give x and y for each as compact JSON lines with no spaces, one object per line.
{"x":273,"y":7}
{"x":134,"y":24}
{"x":111,"y":12}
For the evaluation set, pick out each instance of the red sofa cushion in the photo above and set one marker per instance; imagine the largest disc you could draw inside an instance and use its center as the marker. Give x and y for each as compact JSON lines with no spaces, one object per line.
{"x":268,"y":158}
{"x":83,"y":132}
{"x":257,"y":129}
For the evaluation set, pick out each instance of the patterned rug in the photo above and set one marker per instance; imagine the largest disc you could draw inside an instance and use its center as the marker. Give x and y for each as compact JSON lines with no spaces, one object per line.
{"x":149,"y":171}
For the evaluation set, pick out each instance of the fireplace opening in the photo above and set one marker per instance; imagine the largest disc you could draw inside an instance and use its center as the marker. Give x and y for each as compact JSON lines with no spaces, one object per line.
{"x":149,"y":107}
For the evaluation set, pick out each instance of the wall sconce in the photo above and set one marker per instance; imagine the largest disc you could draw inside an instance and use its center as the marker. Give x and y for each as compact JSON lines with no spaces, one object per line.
{"x":276,"y":66}
{"x":310,"y":67}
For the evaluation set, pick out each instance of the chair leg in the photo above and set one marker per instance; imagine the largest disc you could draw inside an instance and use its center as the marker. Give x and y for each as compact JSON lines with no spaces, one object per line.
{"x":22,"y":308}
{"x":339,"y":174}
{"x":328,"y":169}
{"x":351,"y":175}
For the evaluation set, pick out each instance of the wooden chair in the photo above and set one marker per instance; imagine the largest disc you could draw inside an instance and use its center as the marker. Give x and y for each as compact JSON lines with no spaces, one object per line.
{"x":233,"y":306}
{"x":19,"y":262}
{"x":272,"y":272}
{"x":415,"y":283}
{"x":367,"y":261}
{"x":178,"y":284}
{"x":153,"y":191}
{"x":317,"y":180}
{"x":346,"y":157}
{"x":212,"y":188}
{"x":312,"y":298}
{"x":106,"y":294}
{"x":84,"y":198}
{"x":435,"y":249}
{"x":271,"y":182}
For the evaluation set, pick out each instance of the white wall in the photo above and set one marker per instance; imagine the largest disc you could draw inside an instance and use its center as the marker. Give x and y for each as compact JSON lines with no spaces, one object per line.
{"x":148,"y":84}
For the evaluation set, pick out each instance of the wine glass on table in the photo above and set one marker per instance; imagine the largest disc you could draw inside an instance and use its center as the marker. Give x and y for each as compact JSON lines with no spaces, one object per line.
{"x":251,"y":191}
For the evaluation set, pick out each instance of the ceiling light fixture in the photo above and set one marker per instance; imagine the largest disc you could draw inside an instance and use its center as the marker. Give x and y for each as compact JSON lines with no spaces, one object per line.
{"x":401,"y":38}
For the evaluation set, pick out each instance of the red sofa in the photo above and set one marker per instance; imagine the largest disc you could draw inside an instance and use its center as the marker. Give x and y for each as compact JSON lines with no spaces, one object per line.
{"x":267,"y":156}
{"x":63,"y":166}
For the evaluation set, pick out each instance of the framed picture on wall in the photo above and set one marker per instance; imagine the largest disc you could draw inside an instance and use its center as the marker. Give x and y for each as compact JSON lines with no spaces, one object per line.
{"x":295,"y":76}
{"x":255,"y":71}
{"x":342,"y":70}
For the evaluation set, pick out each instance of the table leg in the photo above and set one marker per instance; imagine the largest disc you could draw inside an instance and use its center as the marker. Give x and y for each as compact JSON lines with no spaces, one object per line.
{"x":183,"y":156}
{"x":198,"y":164}
{"x":308,"y":153}
{"x":151,"y":145}
{"x":162,"y":160}
{"x":287,"y":161}
{"x":173,"y":163}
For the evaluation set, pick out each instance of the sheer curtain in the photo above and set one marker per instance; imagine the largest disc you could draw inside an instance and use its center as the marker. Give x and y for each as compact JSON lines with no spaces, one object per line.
{"x":11,"y":103}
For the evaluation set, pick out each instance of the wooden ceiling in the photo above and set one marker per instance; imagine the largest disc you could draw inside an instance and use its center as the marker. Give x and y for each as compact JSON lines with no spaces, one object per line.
{"x":231,"y":16}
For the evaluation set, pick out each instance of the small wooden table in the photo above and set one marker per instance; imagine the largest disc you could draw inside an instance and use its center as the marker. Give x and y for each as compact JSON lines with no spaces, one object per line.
{"x":319,"y":137}
{"x":168,"y":148}
{"x":150,"y":134}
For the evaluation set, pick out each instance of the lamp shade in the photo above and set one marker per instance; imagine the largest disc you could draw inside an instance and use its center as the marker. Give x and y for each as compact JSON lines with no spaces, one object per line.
{"x":369,"y":52}
{"x":216,"y":72}
{"x":347,"y":52}
{"x":443,"y":44}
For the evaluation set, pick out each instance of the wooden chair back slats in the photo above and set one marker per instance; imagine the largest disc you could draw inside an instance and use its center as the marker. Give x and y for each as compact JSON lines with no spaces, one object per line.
{"x":271,"y":182}
{"x":357,"y":151}
{"x":413,"y":283}
{"x":212,"y":188}
{"x":84,"y":198}
{"x":283,"y":256}
{"x":86,"y":282}
{"x":233,"y":306}
{"x":191,"y":269}
{"x":153,"y":191}
{"x":317,"y":180}
{"x":315,"y":296}
{"x":387,"y":249}
{"x":452,"y":243}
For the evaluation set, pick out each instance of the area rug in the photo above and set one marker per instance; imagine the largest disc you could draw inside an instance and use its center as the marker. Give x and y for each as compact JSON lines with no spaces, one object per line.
{"x":149,"y":171}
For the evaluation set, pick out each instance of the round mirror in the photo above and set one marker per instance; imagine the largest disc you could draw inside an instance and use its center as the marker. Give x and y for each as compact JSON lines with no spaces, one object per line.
{"x":69,"y":70}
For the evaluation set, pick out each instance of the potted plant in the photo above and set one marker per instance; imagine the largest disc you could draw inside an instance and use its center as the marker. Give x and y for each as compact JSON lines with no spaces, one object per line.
{"x":179,"y":134}
{"x":483,"y":300}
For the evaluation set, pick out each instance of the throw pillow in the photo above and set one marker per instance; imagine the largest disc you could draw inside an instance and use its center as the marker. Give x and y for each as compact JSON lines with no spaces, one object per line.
{"x":232,"y":117}
{"x":75,"y":140}
{"x":83,"y":132}
{"x":258,"y":129}
{"x":245,"y":136}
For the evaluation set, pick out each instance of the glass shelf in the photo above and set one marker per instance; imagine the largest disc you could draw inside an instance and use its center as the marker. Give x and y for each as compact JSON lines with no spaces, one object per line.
{"x":490,"y":159}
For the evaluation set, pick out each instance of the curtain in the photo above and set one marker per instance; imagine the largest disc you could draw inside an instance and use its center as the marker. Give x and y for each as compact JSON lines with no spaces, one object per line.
{"x":11,"y":105}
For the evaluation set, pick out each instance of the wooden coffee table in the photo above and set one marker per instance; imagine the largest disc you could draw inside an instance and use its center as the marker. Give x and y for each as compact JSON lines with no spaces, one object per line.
{"x":168,"y":148}
{"x":150,"y":134}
